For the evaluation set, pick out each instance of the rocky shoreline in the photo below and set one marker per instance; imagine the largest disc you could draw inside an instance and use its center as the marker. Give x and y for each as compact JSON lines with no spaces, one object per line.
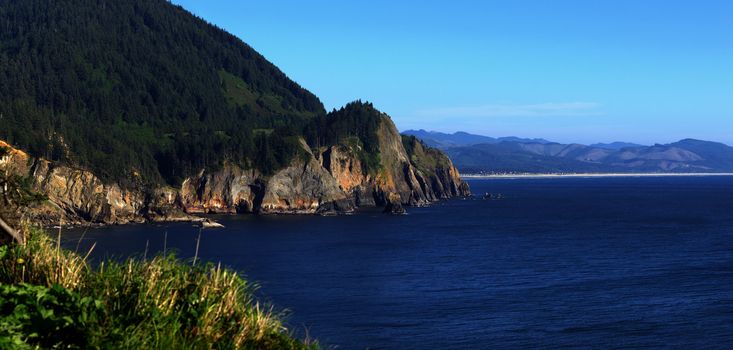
{"x":330,"y":181}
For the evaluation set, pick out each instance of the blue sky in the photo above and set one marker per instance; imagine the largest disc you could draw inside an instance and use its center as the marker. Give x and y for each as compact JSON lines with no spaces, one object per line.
{"x":568,"y":70}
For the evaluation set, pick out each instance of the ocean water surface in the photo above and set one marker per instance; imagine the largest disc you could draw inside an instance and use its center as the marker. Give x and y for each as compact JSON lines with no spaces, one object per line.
{"x":555,"y":263}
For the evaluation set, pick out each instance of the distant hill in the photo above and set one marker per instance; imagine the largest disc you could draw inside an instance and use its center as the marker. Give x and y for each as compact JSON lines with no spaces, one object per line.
{"x":507,"y":157}
{"x":460,"y":138}
{"x":475,"y":153}
{"x":616,"y":145}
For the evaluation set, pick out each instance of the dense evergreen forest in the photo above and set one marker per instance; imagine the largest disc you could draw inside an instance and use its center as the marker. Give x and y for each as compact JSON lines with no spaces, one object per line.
{"x":142,"y":90}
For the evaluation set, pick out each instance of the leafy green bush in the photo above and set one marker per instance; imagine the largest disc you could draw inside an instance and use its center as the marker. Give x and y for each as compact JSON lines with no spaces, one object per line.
{"x":50,"y":317}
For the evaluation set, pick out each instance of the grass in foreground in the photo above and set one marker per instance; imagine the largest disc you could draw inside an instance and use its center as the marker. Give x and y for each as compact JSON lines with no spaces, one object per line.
{"x":51,"y":298}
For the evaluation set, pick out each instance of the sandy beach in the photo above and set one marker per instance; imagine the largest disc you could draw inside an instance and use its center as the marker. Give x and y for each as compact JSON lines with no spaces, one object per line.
{"x":538,"y":176}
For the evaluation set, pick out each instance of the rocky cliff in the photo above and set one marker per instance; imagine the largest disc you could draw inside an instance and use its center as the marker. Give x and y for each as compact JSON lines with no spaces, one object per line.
{"x":330,"y":179}
{"x":218,"y":130}
{"x":74,"y":195}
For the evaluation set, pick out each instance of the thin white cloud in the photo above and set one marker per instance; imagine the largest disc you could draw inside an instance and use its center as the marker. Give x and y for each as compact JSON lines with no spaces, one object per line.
{"x":565,"y":109}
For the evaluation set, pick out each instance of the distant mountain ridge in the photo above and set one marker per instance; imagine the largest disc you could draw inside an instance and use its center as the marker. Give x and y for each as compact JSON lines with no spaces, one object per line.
{"x":616,"y":145}
{"x":512,"y":155}
{"x":460,"y":138}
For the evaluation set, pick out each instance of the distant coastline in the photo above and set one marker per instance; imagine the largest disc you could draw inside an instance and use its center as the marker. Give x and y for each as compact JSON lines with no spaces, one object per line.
{"x":562,"y":175}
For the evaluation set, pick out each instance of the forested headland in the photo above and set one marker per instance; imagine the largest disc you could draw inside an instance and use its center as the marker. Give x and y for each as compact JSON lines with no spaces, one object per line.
{"x":144,"y":92}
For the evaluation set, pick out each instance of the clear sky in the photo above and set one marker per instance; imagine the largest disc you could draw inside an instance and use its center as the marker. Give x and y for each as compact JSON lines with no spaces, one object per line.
{"x":567,"y":70}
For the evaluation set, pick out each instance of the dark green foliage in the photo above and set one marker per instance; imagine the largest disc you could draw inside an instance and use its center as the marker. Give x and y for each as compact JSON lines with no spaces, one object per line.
{"x":357,"y":122}
{"x":140,"y":86}
{"x":50,"y":298}
{"x":143,"y":92}
{"x":410,"y":142}
{"x":424,"y":158}
{"x":16,"y":196}
{"x":47,"y":317}
{"x":17,"y":191}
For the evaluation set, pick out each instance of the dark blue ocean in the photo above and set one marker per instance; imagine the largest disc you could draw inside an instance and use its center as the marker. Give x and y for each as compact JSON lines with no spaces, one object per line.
{"x":556,"y":263}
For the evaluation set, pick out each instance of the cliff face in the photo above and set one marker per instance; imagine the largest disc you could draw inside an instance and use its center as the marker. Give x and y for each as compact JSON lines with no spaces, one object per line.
{"x":332,"y":179}
{"x":218,"y":104}
{"x":74,"y":196}
{"x":328,"y":180}
{"x":434,"y":171}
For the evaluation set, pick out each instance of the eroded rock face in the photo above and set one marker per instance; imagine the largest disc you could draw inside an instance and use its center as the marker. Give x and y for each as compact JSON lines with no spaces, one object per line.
{"x":344,"y":166}
{"x":419,"y":177}
{"x":82,"y":195}
{"x":164,"y":205}
{"x":331,"y":179}
{"x":75,"y":196}
{"x":227,"y":191}
{"x":394,"y":205}
{"x":305,"y":187}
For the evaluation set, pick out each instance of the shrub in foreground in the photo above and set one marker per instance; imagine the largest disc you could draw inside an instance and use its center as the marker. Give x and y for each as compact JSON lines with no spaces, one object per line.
{"x":51,"y":297}
{"x":48,"y":317}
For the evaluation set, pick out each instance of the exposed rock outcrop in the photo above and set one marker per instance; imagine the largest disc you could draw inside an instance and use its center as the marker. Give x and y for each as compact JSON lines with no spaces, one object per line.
{"x":227,"y":191}
{"x":78,"y":196}
{"x":305,"y":187}
{"x":331,"y":179}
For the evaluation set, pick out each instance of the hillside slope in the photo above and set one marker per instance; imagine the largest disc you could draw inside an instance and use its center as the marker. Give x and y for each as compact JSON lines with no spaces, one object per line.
{"x":460,"y":138}
{"x":137,"y":110}
{"x":141,"y":90}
